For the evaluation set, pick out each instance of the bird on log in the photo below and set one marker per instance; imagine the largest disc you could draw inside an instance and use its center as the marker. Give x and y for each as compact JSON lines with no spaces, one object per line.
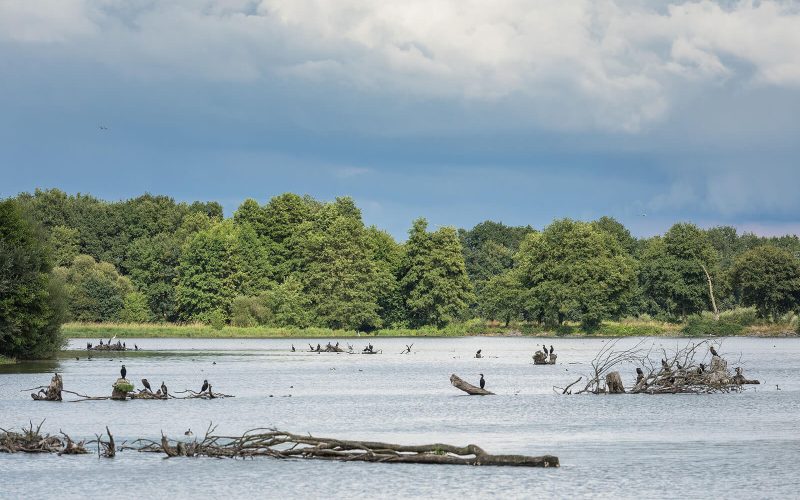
{"x":551,"y":350}
{"x":205,"y":386}
{"x":478,"y":354}
{"x":146,"y":385}
{"x":163,"y":389}
{"x":123,"y":371}
{"x":483,"y":382}
{"x":713,"y":351}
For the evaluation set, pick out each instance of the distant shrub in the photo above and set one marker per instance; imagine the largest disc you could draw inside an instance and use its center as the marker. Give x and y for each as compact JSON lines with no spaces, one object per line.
{"x":700,"y":326}
{"x":744,"y":316}
{"x":216,"y":319}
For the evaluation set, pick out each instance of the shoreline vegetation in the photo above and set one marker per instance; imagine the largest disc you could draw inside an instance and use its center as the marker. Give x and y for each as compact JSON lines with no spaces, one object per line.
{"x":610,"y":329}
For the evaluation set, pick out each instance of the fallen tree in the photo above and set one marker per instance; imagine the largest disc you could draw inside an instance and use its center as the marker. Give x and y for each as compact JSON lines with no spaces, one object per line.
{"x":682,"y":371}
{"x":470,"y":389}
{"x":280,"y":444}
{"x":31,"y":440}
{"x":50,"y":393}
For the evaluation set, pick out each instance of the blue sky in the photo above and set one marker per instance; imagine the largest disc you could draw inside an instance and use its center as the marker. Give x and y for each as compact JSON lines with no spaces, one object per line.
{"x":456,"y":110}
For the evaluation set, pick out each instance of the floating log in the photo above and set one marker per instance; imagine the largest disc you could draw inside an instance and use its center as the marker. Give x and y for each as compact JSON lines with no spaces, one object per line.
{"x":53,"y":391}
{"x":280,"y":444}
{"x":467,"y":387}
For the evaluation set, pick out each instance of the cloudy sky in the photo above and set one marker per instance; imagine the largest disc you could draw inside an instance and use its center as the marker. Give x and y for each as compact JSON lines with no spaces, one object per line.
{"x":457,"y":110}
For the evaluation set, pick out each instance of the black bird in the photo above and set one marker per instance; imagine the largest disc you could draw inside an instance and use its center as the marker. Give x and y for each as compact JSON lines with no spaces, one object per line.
{"x":713,"y":351}
{"x":123,"y":371}
{"x":639,"y":375}
{"x":544,"y":348}
{"x":205,"y":386}
{"x":163,"y":388}
{"x":478,"y":354}
{"x":664,"y":364}
{"x":135,"y":347}
{"x":551,"y":350}
{"x":146,"y":385}
{"x":292,"y":347}
{"x":88,"y":345}
{"x":483,"y":382}
{"x":123,"y":345}
{"x":101,"y":341}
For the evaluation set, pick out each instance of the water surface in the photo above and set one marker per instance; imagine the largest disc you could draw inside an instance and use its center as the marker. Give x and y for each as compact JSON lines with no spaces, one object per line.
{"x":635,"y":446}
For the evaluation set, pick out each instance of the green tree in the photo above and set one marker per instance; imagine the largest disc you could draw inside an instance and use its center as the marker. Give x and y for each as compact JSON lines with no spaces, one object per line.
{"x":95,"y":290}
{"x":65,"y":244}
{"x":613,"y":227}
{"x":215,"y":266}
{"x":768,"y":278}
{"x":31,"y":300}
{"x":152,"y":263}
{"x":502,"y":297}
{"x":671,"y":275}
{"x":434,"y":276}
{"x":288,"y":305}
{"x":572,"y":270}
{"x":134,"y":308}
{"x":337,"y":267}
{"x":489,"y":249}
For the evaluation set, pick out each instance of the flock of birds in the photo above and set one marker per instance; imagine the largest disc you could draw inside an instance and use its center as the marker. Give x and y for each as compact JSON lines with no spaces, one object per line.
{"x":163,"y":390}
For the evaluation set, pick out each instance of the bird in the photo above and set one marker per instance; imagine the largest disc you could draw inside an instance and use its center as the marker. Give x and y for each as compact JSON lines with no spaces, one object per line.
{"x":163,"y":389}
{"x":135,"y":347}
{"x":123,"y":371}
{"x":664,"y":364}
{"x":544,"y":348}
{"x":713,"y":351}
{"x":777,"y":388}
{"x":292,"y":347}
{"x":551,"y":350}
{"x":146,"y":385}
{"x":639,"y":375}
{"x":701,"y":369}
{"x":478,"y":354}
{"x":188,"y":433}
{"x":483,"y":382}
{"x":101,"y":341}
{"x":205,"y":386}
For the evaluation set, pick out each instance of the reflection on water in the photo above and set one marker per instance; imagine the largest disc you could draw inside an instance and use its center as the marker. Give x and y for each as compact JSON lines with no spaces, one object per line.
{"x":734,"y":445}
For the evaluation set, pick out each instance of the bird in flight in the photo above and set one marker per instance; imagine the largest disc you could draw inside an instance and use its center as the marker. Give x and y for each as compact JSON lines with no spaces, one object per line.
{"x":102,"y":127}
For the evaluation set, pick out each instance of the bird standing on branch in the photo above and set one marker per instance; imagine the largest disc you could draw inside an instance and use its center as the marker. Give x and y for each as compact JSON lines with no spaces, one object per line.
{"x":205,"y":386}
{"x":146,"y":385}
{"x":123,"y":371}
{"x":483,"y":382}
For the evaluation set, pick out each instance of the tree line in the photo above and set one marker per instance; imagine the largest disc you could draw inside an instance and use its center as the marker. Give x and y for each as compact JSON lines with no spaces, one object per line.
{"x":298,"y":262}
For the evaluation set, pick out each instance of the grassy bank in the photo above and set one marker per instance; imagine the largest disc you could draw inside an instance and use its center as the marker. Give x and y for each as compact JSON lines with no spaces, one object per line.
{"x":6,"y":361}
{"x":607,"y":329}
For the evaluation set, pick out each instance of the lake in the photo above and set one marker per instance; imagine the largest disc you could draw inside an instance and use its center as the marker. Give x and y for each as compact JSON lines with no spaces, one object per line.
{"x":740,"y":445}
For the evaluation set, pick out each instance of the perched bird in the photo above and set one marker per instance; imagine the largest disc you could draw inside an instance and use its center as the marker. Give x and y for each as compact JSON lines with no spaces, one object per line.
{"x":188,"y":433}
{"x":146,"y":385}
{"x":292,"y":347}
{"x":478,"y":354}
{"x":544,"y":348}
{"x":123,"y":371}
{"x":164,"y":389}
{"x":101,"y":341}
{"x":701,"y":369}
{"x":639,"y":375}
{"x":483,"y":382}
{"x":205,"y":386}
{"x":713,"y":351}
{"x":664,"y":364}
{"x":551,"y":350}
{"x":123,"y":345}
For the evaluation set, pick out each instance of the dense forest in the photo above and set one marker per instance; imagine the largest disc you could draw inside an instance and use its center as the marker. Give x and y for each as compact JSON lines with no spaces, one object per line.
{"x":299,"y":262}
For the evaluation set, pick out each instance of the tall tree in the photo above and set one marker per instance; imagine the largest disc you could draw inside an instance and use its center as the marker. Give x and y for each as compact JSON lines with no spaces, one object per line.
{"x":31,"y":301}
{"x":573,"y":270}
{"x":768,"y":278}
{"x":672,"y":274}
{"x":434,"y":276}
{"x":95,"y":290}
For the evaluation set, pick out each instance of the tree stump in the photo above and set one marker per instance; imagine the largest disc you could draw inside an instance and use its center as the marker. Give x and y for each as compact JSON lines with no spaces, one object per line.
{"x":552,"y":359}
{"x":539,"y":358}
{"x":120,"y":389}
{"x":614,"y":383}
{"x":467,"y":387}
{"x":53,"y":392}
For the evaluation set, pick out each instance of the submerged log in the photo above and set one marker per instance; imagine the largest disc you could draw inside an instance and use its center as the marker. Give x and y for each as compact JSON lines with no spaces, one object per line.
{"x":53,"y":391}
{"x":614,"y":383}
{"x":280,"y":444}
{"x":467,"y":387}
{"x":31,"y":440}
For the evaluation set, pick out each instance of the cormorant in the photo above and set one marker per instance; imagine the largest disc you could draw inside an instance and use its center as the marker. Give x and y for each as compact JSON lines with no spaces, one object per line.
{"x":478,"y":354}
{"x":123,"y":345}
{"x":101,"y":341}
{"x":146,"y":385}
{"x":292,"y":347}
{"x":544,"y":348}
{"x":319,"y":347}
{"x":164,"y":389}
{"x":551,"y":350}
{"x":135,"y":347}
{"x":701,"y":369}
{"x":188,"y":433}
{"x":205,"y":386}
{"x":639,"y":375}
{"x":123,"y":371}
{"x":483,"y":382}
{"x":713,"y":351}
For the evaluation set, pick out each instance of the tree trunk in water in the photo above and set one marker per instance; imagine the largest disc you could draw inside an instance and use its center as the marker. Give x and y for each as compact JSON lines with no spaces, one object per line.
{"x":614,"y":383}
{"x":467,"y":387}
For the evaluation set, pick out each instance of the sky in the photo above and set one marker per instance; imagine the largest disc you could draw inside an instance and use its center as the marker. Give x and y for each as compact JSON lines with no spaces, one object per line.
{"x":652,"y":112}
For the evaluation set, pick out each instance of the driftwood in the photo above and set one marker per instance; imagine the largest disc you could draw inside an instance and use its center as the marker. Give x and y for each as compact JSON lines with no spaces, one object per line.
{"x":679,"y":372}
{"x":467,"y":387}
{"x":52,"y":392}
{"x":280,"y":444}
{"x":31,"y":440}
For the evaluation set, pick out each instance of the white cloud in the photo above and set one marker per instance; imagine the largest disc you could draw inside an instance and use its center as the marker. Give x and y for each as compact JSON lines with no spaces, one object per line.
{"x":581,"y":64}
